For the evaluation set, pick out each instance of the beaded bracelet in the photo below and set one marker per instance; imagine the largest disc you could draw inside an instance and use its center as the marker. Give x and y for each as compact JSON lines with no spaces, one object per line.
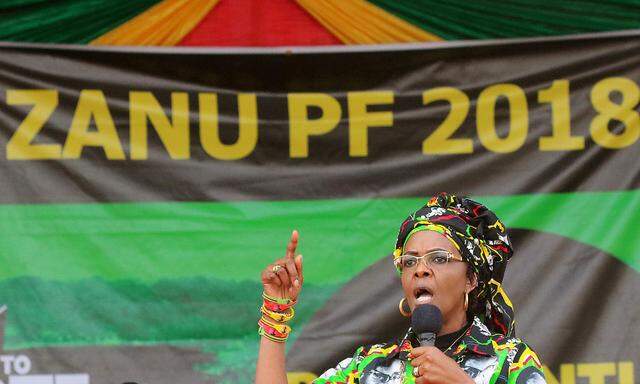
{"x":275,"y":307}
{"x":283,"y":329}
{"x":278,"y":300}
{"x":277,"y":304}
{"x":281,"y":317}
{"x":262,"y":332}
{"x":275,"y":311}
{"x":273,"y":334}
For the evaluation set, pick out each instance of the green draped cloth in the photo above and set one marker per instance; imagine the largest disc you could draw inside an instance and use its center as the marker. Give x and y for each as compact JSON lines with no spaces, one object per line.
{"x":489,"y":19}
{"x":64,"y":21}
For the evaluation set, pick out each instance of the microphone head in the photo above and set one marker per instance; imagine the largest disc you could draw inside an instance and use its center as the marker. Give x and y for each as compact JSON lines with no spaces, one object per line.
{"x":426,"y":318}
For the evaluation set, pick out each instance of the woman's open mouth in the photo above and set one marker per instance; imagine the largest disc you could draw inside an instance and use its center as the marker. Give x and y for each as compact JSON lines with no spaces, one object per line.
{"x":422,"y":295}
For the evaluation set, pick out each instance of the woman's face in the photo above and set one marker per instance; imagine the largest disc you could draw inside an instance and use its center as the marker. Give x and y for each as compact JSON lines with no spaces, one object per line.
{"x":443,"y":286}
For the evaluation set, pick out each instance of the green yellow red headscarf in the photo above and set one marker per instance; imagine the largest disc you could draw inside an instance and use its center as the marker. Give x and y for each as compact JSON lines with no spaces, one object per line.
{"x":482,"y":241}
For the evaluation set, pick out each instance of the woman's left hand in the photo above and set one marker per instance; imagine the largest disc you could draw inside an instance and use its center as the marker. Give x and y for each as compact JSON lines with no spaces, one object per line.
{"x":435,"y":367}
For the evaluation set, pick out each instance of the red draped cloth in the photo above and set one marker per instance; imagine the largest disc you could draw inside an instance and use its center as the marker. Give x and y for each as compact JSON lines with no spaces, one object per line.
{"x":258,"y":23}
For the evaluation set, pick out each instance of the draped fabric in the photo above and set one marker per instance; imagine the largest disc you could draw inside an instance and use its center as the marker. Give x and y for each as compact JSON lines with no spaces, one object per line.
{"x":64,"y":21}
{"x":360,"y":22}
{"x":164,"y":24}
{"x":487,"y":19}
{"x":302,"y":22}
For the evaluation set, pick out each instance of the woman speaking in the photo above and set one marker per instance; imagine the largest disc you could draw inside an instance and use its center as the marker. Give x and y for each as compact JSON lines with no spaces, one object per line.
{"x":451,"y":255}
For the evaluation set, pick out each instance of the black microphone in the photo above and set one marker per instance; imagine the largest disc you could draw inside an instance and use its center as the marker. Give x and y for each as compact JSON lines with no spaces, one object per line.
{"x":426,"y":321}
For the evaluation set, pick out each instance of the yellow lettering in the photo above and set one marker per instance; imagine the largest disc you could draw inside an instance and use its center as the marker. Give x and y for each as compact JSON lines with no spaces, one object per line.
{"x":561,"y":139}
{"x":567,"y":374}
{"x":625,"y":372}
{"x":518,"y":116}
{"x":440,"y":141}
{"x":596,"y":372}
{"x":174,"y":135}
{"x":44,"y":102}
{"x":301,"y":127}
{"x":608,"y":111}
{"x":92,"y":104}
{"x":247,"y":127}
{"x":360,"y":119}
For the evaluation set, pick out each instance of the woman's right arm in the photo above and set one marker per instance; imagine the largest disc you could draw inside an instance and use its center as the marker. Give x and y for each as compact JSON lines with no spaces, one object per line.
{"x":286,"y":283}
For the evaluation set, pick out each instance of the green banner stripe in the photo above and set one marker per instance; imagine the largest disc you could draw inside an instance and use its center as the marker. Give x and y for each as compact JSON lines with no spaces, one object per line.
{"x":234,"y":240}
{"x":605,"y":220}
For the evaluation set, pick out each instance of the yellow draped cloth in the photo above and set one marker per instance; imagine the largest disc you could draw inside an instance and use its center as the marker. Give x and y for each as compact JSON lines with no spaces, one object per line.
{"x":166,"y":23}
{"x":360,"y":22}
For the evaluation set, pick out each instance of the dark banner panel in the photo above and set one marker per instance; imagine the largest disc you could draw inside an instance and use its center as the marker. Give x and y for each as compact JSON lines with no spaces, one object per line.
{"x":143,"y":191}
{"x":256,"y":126}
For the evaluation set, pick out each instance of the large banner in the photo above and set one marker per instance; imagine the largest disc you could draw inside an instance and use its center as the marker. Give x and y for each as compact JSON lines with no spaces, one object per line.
{"x":143,"y":191}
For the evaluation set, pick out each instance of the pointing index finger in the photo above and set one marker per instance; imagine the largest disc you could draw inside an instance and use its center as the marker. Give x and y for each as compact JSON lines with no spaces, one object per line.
{"x":293,"y":244}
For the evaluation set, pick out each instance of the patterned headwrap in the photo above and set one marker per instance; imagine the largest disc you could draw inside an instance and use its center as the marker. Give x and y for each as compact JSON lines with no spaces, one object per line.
{"x":482,"y":241}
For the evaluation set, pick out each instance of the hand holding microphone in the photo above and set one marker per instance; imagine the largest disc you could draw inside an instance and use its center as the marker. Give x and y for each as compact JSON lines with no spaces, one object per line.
{"x":430,"y":365}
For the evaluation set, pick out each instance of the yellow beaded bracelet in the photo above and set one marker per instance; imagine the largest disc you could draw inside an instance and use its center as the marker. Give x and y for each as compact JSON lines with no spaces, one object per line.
{"x":282,"y":317}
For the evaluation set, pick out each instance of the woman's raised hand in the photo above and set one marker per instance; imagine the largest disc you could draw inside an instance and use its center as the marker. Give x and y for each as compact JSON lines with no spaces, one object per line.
{"x":283,"y":278}
{"x":282,"y":282}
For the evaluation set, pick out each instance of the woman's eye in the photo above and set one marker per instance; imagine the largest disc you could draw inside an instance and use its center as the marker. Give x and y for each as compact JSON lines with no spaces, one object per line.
{"x":409,"y":262}
{"x":438,"y":259}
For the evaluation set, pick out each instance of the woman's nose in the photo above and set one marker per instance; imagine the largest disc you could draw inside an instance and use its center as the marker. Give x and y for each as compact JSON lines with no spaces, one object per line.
{"x":422,"y":269}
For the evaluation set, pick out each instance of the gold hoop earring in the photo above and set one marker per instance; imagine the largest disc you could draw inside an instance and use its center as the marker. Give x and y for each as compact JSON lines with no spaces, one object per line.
{"x":466,"y":300}
{"x":404,"y":312}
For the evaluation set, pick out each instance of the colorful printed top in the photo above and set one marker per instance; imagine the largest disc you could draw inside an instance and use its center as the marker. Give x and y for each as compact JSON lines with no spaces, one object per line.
{"x":486,"y":358}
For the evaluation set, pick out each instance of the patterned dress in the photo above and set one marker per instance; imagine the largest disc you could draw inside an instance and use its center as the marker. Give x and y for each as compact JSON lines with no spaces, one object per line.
{"x":487,"y":358}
